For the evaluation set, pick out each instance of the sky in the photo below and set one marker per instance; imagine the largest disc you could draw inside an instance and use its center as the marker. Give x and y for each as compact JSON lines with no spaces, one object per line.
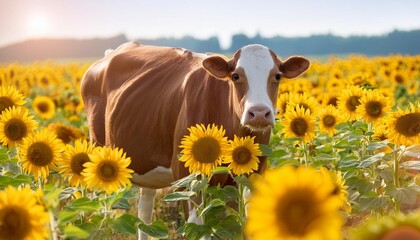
{"x":81,"y":19}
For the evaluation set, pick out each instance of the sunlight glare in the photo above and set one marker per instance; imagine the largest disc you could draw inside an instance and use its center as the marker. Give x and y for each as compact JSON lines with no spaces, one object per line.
{"x":38,"y":24}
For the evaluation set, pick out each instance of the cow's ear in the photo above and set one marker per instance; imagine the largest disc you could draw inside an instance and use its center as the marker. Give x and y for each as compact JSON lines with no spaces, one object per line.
{"x":294,"y":66}
{"x":217,"y":66}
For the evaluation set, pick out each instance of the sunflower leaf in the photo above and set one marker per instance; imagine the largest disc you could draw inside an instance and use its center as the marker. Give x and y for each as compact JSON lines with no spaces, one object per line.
{"x":412,"y":151}
{"x":371,"y":160}
{"x":84,"y":204}
{"x":73,"y":231}
{"x":126,"y":224}
{"x":178,"y":196}
{"x":266,"y":150}
{"x":194,"y":231}
{"x":157,"y":229}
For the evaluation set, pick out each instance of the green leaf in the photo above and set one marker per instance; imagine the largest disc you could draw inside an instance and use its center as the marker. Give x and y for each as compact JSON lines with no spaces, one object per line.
{"x":372,"y":203}
{"x":266,"y":150}
{"x":186,"y":181}
{"x":221,"y":170}
{"x":404,"y":195}
{"x":197,"y":185}
{"x":376,"y":145}
{"x":193,"y":231}
{"x":412,"y":151}
{"x":244,"y":181}
{"x":157,"y":229}
{"x":212,"y":204}
{"x":411,"y":165}
{"x":84,"y":204}
{"x":126,"y":224}
{"x":67,"y":193}
{"x":228,"y":228}
{"x":67,"y":216}
{"x":371,"y":160}
{"x":178,"y":196}
{"x":15,"y":180}
{"x":73,"y":231}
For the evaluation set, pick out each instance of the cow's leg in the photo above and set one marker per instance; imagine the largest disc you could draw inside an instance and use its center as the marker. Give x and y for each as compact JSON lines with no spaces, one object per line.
{"x":146,"y":202}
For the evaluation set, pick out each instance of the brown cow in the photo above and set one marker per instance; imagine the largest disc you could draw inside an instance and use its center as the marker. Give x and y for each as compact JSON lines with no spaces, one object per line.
{"x":143,"y":98}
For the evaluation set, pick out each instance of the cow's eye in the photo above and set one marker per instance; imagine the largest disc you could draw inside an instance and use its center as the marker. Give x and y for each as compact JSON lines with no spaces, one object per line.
{"x":278,"y":76}
{"x":235,"y":76}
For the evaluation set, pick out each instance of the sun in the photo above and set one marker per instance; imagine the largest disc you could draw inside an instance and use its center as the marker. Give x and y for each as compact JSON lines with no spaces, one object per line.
{"x":38,"y":24}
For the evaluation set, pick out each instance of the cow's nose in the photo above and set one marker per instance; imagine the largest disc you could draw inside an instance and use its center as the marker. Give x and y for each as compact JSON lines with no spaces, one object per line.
{"x":259,"y":113}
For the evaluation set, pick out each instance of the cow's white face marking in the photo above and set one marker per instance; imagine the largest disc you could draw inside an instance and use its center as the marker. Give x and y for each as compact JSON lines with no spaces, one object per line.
{"x":257,"y":62}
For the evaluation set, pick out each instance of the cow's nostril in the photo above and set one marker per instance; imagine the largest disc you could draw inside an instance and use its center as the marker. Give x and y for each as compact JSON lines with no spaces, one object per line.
{"x":251,"y":114}
{"x":267,"y":115}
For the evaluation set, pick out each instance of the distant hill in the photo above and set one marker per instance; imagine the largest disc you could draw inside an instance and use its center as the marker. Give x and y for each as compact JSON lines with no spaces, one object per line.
{"x":398,"y":42}
{"x":41,"y":49}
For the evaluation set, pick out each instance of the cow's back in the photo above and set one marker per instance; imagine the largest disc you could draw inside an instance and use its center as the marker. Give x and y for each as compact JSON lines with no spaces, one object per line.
{"x":133,"y":98}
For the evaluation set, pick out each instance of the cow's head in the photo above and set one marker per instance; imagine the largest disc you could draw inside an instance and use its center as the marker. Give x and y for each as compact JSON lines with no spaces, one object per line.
{"x":256,"y":73}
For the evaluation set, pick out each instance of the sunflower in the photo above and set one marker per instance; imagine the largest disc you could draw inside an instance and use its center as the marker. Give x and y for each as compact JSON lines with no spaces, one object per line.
{"x":107,"y":170}
{"x":44,"y":107}
{"x":329,"y":117}
{"x":340,"y":188}
{"x":40,"y":151}
{"x":303,"y":100}
{"x":10,"y":96}
{"x":348,"y":102}
{"x":404,"y":126}
{"x":74,"y":158}
{"x":65,"y":133}
{"x":242,"y":155}
{"x":373,"y":106}
{"x":391,"y":227}
{"x":299,"y":123}
{"x":282,"y":101}
{"x":20,"y":215}
{"x":15,"y":124}
{"x":293,"y":203}
{"x":330,"y":98}
{"x":203,"y":149}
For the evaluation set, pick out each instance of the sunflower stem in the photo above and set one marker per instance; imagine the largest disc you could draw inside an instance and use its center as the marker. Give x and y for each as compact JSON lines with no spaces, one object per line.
{"x":52,"y":226}
{"x":397,"y":157}
{"x":241,"y":207}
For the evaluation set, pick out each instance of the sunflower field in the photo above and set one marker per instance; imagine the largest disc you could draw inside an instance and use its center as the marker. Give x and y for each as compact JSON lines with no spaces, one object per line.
{"x":343,"y":162}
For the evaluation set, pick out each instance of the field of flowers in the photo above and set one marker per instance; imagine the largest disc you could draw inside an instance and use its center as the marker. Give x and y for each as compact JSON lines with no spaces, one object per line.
{"x":344,"y":162}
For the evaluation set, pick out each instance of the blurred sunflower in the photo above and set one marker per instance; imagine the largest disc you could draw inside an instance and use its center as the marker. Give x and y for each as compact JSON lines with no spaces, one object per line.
{"x":304,"y":101}
{"x":20,"y":215}
{"x":299,"y":123}
{"x":242,"y":155}
{"x":10,"y":96}
{"x":107,"y":170}
{"x":65,"y":133}
{"x":330,"y":98}
{"x":348,"y":102}
{"x":40,"y":151}
{"x":404,"y":126}
{"x":203,"y":149}
{"x":380,"y":131}
{"x":393,"y":227}
{"x":340,"y":188}
{"x":15,"y":124}
{"x":373,"y":106}
{"x":329,"y":117}
{"x":73,"y":161}
{"x":282,"y":102}
{"x":44,"y":107}
{"x":293,"y":203}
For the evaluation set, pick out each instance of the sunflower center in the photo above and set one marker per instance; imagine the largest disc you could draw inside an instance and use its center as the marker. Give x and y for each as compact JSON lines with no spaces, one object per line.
{"x":241,"y":155}
{"x":304,"y":106}
{"x":332,"y":101}
{"x":77,"y":162}
{"x":206,"y":150}
{"x":107,"y":171}
{"x":40,"y":154}
{"x":399,"y":78}
{"x":328,"y":120}
{"x":402,"y":232}
{"x":15,"y":129}
{"x":14,"y":223}
{"x":374,"y":109}
{"x":296,"y":211}
{"x":352,"y":103}
{"x":43,"y":107}
{"x":5,"y":103}
{"x":299,"y":126}
{"x":408,"y":125}
{"x":64,"y":134}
